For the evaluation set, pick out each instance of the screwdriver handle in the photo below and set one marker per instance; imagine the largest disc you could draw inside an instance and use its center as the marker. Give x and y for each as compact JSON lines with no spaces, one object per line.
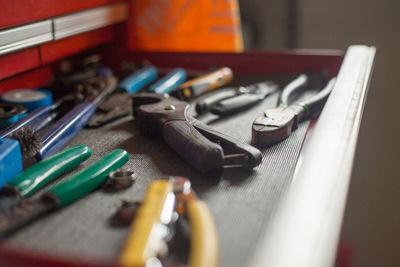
{"x":138,"y":80}
{"x":72,"y":122}
{"x":45,"y":120}
{"x":65,"y":129}
{"x":81,"y":183}
{"x":169,"y":82}
{"x":33,"y":178}
{"x":205,"y":83}
{"x":37,"y":113}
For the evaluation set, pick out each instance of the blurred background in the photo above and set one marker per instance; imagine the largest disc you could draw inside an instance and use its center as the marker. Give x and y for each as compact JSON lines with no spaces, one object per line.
{"x":372,"y":220}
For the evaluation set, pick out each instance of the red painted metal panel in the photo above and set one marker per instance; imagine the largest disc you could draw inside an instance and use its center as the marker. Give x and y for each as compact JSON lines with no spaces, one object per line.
{"x":17,"y":257}
{"x":56,"y":50}
{"x":11,"y":64}
{"x":32,"y":79}
{"x":23,"y":11}
{"x":246,"y":63}
{"x":345,"y":255}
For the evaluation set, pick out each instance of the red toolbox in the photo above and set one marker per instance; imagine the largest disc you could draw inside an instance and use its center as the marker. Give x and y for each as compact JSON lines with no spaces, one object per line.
{"x":287,"y":212}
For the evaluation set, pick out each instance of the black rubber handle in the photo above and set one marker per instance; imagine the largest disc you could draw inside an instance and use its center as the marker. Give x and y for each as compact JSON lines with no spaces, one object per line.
{"x":204,"y":155}
{"x":229,"y":144}
{"x":235,"y":104}
{"x":206,"y":104}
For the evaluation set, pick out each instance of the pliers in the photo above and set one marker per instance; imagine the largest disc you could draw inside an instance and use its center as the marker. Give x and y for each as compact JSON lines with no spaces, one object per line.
{"x":278,"y":123}
{"x":154,"y":226}
{"x":206,"y":149}
{"x":119,"y":104}
{"x":35,"y":177}
{"x":227,"y":102}
{"x":62,"y":194}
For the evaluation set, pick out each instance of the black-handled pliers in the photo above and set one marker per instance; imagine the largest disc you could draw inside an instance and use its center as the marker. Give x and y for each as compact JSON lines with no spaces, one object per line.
{"x":206,"y":149}
{"x":227,"y":102}
{"x":278,"y":123}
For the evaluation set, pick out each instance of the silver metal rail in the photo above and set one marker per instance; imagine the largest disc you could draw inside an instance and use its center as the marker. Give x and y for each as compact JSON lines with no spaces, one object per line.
{"x":305,"y":230}
{"x":20,"y":37}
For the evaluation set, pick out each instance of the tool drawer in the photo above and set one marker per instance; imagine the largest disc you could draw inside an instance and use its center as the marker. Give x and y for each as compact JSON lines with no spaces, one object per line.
{"x":35,"y":34}
{"x":285,"y":212}
{"x":26,"y":11}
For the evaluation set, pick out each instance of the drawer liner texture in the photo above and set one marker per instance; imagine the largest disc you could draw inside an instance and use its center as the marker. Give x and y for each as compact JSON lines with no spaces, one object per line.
{"x":242,"y":202}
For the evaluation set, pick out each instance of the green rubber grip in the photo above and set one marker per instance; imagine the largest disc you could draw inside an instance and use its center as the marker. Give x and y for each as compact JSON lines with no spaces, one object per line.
{"x":33,"y":178}
{"x":86,"y":180}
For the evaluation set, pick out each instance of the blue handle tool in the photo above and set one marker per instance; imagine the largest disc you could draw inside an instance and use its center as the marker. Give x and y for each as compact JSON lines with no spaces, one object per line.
{"x":72,"y":122}
{"x":65,"y":129}
{"x":138,"y":80}
{"x":37,"y":114}
{"x":169,"y":82}
{"x":10,"y":160}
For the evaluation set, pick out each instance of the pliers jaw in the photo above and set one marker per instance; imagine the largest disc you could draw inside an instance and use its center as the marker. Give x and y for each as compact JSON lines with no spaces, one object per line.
{"x":276,"y":126}
{"x":152,"y":111}
{"x":279,"y":122}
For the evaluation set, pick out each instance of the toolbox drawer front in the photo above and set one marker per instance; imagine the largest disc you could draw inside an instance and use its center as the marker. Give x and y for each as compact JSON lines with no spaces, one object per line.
{"x":25,"y":36}
{"x":31,"y":79}
{"x":19,"y":61}
{"x":40,"y":42}
{"x":53,"y":51}
{"x":24,"y":11}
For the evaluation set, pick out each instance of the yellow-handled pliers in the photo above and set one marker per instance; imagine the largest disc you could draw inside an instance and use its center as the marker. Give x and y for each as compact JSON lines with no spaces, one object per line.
{"x":146,"y":242}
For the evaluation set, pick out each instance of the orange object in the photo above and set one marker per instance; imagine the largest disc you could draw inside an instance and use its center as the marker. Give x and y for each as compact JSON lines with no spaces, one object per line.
{"x":185,"y":25}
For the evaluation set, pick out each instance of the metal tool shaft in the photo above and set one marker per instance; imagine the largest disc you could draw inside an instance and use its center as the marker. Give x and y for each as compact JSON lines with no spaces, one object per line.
{"x":22,"y":214}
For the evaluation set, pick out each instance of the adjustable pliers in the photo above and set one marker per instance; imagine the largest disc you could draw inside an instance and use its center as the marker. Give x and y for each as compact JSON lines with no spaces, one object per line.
{"x":206,"y":149}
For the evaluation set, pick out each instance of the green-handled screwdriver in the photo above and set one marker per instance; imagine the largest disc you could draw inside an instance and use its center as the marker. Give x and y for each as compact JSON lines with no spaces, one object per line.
{"x":60,"y":195}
